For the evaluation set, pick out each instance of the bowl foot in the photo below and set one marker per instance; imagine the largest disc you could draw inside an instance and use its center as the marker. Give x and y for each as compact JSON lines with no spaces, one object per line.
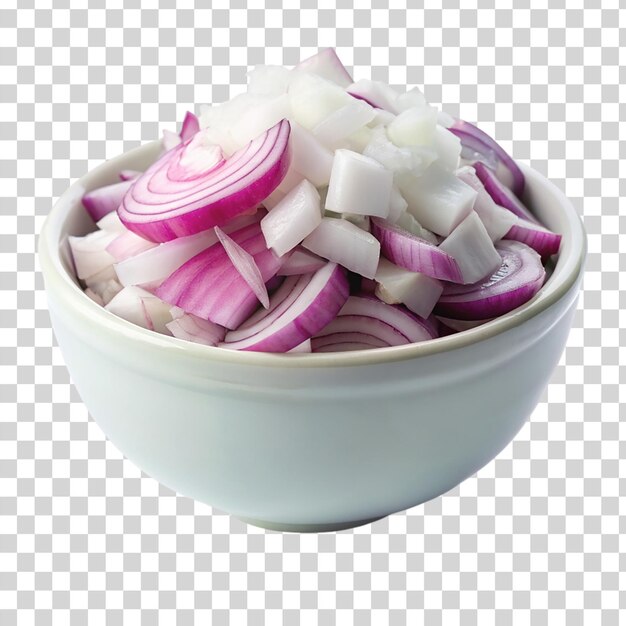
{"x":307,"y":528}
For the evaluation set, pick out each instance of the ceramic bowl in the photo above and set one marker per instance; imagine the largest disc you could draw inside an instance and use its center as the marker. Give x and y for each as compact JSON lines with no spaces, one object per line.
{"x":310,"y":442}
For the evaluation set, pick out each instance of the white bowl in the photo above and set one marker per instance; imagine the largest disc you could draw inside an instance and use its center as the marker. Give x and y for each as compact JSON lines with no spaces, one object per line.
{"x":310,"y":442}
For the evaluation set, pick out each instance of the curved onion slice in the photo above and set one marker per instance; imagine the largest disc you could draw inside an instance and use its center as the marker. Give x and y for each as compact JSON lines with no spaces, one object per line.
{"x":190,"y":126}
{"x":540,"y":239}
{"x":99,"y":202}
{"x":211,"y":287}
{"x":488,"y":150}
{"x":326,"y":64}
{"x":501,"y":194}
{"x":345,"y":342}
{"x":518,"y":279}
{"x":300,"y":308}
{"x":413,"y":253}
{"x":193,"y":328}
{"x":179,"y":195}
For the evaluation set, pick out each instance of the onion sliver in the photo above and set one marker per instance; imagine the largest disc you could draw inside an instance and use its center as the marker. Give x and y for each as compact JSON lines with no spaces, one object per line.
{"x":319,"y":298}
{"x":190,"y":126}
{"x":168,"y":201}
{"x":90,"y":252}
{"x":413,"y":253}
{"x":501,"y":194}
{"x":482,"y":144}
{"x":158,"y":263}
{"x":518,"y":279}
{"x":99,"y":202}
{"x":540,"y":239}
{"x":245,"y":265}
{"x":142,"y":308}
{"x":127,"y":245}
{"x":337,"y":342}
{"x":211,"y":287}
{"x":193,"y":328}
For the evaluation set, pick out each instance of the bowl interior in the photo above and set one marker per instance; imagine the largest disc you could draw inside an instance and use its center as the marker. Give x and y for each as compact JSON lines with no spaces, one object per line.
{"x":68,"y":217}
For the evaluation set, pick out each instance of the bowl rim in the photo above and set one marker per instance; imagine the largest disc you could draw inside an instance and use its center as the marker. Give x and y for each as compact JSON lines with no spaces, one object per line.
{"x":58,"y":279}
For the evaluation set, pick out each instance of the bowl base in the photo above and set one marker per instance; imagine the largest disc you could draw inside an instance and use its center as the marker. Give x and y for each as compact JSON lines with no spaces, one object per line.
{"x":307,"y":528}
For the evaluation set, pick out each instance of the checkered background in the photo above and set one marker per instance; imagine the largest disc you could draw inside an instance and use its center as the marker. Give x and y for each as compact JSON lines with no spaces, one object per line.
{"x":535,"y":536}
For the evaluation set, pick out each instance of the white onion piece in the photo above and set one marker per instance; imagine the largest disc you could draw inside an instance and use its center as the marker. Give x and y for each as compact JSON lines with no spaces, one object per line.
{"x":245,"y":265}
{"x":112,"y":223}
{"x":105,"y":284}
{"x":470,"y":245}
{"x":301,"y":261}
{"x":448,"y":147}
{"x":157,"y":263}
{"x":382,"y":118}
{"x":412,"y":98}
{"x":358,"y":184}
{"x":358,"y":140}
{"x":104,"y":275}
{"x":142,"y":308}
{"x":313,"y":99}
{"x":264,"y":116}
{"x":418,"y":292}
{"x":341,"y":123}
{"x":413,"y":127}
{"x":497,"y":220}
{"x":344,"y":243}
{"x":90,"y":252}
{"x":375,"y":93}
{"x":94,"y":296}
{"x":317,"y":300}
{"x":326,"y":64}
{"x":297,"y":215}
{"x":437,"y":199}
{"x":397,"y":205}
{"x":127,"y":245}
{"x":407,"y":222}
{"x":309,"y":157}
{"x":269,"y":80}
{"x":417,"y":159}
{"x":193,"y":328}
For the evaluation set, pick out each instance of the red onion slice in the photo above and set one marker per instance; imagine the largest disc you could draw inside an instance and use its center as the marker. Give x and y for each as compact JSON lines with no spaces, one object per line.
{"x":301,"y":261}
{"x":99,"y":202}
{"x":481,"y":143}
{"x":543,"y":241}
{"x":174,"y":198}
{"x":501,"y":194}
{"x":209,"y":285}
{"x":518,"y":279}
{"x":413,"y":253}
{"x":245,"y":265}
{"x":318,"y":300}
{"x":342,"y":342}
{"x":190,"y":126}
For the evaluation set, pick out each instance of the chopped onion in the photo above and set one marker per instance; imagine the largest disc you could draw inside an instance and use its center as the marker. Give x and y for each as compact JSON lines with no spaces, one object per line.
{"x":99,"y":202}
{"x":343,"y":122}
{"x":344,"y":243}
{"x":309,"y":157}
{"x":413,"y":253}
{"x":142,"y":308}
{"x":397,"y":205}
{"x":407,"y":222}
{"x":192,"y":328}
{"x":518,"y":279}
{"x":487,"y":150}
{"x":300,"y":308}
{"x":358,"y":185}
{"x":497,"y":221}
{"x":90,"y":252}
{"x":375,"y":93}
{"x":111,"y":223}
{"x":470,"y":246}
{"x":501,"y":194}
{"x":297,"y":215}
{"x":168,"y":202}
{"x":326,"y":64}
{"x":269,"y":80}
{"x":448,"y":148}
{"x":301,"y":261}
{"x":128,"y":244}
{"x":540,"y":239}
{"x":418,"y":292}
{"x":190,"y":126}
{"x":413,"y":127}
{"x":437,"y":199}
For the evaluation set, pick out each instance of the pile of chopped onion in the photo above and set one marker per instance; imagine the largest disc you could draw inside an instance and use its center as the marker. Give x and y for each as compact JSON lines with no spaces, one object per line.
{"x":315,"y":214}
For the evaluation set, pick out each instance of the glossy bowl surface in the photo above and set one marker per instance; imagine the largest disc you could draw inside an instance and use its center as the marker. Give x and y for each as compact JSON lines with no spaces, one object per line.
{"x":310,"y":442}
